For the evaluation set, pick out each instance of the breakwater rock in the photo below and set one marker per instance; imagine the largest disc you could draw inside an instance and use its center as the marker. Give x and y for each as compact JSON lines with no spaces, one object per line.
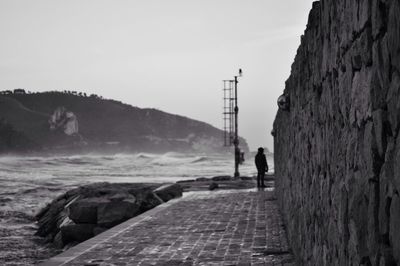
{"x":337,"y":143}
{"x":84,"y":212}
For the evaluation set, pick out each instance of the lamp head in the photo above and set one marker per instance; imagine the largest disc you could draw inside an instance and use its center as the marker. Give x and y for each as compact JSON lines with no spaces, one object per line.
{"x":240,"y":72}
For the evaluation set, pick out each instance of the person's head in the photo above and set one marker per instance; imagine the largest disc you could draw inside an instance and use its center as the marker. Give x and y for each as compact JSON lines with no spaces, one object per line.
{"x":260,"y":150}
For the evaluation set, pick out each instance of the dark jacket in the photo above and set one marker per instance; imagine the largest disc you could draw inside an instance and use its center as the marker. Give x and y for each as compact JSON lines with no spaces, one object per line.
{"x":261,"y":162}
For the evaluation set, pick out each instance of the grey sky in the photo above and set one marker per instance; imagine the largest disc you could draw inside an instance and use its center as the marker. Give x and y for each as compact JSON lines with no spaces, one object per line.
{"x":167,"y":54}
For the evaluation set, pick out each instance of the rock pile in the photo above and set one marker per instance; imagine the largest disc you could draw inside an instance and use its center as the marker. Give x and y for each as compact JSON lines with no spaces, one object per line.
{"x":337,"y":148}
{"x":82,"y":213}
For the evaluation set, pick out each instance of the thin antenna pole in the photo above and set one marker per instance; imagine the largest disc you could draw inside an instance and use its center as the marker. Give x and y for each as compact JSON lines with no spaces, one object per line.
{"x":236,"y":140}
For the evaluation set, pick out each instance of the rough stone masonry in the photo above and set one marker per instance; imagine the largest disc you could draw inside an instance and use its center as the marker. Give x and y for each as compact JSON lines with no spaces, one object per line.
{"x":337,"y":146}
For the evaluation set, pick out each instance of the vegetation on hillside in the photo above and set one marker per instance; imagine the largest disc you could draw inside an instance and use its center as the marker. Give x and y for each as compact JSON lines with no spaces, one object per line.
{"x":12,"y":140}
{"x":103,"y":122}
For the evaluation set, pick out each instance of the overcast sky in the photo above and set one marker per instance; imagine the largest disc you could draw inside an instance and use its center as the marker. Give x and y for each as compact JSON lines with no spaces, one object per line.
{"x":166,"y":54}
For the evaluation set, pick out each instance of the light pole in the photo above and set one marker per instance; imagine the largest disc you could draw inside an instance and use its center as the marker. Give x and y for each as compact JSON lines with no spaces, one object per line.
{"x":236,"y":138}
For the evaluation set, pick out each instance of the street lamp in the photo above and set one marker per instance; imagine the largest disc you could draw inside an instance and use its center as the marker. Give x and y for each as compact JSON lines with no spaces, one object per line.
{"x":236,"y":138}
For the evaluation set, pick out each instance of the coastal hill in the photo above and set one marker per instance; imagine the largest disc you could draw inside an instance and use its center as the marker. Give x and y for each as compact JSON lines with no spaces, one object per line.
{"x":71,"y":121}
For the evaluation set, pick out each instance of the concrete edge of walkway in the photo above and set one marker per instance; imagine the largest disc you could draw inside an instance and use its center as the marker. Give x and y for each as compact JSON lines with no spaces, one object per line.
{"x":91,"y":243}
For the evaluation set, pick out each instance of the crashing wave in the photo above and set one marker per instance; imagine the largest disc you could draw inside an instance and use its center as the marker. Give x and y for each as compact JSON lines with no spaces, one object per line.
{"x":200,"y":159}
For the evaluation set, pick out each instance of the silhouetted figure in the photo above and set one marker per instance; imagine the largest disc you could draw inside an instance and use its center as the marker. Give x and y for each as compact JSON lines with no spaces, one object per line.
{"x":262,"y":167}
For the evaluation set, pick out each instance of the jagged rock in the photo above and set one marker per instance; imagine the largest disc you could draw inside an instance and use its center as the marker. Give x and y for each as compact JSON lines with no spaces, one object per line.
{"x":393,"y":103}
{"x":213,"y":186}
{"x":77,"y":232}
{"x":185,"y":181}
{"x":122,"y":196}
{"x":169,"y":191}
{"x":394,"y":232}
{"x":378,"y":117}
{"x":58,"y":241}
{"x":222,"y":178}
{"x":98,"y":230}
{"x":377,"y":18}
{"x":47,"y":220}
{"x":361,"y":102}
{"x":86,"y":211}
{"x":114,"y":212}
{"x":149,"y":200}
{"x":393,"y":25}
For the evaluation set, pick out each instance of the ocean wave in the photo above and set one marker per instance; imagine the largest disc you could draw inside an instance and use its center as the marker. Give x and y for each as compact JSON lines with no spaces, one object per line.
{"x":16,"y":216}
{"x":78,"y":161}
{"x":175,"y":154}
{"x":200,"y":159}
{"x":4,"y":200}
{"x":39,"y":190}
{"x":145,"y":156}
{"x":52,"y":163}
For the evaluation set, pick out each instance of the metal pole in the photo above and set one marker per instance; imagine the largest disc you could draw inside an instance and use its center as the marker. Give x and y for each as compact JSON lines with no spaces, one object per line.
{"x":236,"y":140}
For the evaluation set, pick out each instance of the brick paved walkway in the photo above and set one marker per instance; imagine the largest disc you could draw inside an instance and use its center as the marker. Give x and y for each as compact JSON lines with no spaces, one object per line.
{"x":218,"y":228}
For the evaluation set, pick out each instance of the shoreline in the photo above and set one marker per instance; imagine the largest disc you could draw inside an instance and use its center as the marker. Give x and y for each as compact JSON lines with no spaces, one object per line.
{"x":198,"y":229}
{"x":189,"y":187}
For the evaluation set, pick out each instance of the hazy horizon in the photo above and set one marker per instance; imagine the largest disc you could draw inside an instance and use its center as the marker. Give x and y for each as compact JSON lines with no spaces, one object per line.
{"x":169,"y":55}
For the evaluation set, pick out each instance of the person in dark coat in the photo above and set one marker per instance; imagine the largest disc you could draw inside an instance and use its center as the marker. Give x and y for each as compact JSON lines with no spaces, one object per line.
{"x":262,"y":167}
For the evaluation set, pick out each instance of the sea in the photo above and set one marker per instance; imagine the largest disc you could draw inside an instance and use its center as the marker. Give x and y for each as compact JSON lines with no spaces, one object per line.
{"x":28,"y":183}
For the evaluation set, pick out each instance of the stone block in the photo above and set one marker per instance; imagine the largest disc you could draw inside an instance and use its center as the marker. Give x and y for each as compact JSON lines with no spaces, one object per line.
{"x":362,"y":50}
{"x":373,"y":239}
{"x":169,"y":191}
{"x":98,"y":230}
{"x":379,"y":120}
{"x":378,"y":15}
{"x":85,"y":210}
{"x":120,"y":196}
{"x":58,"y":241}
{"x":393,"y":33}
{"x":112,"y":213}
{"x":393,"y":102}
{"x":362,"y":14}
{"x":361,"y":108}
{"x":394,"y":235}
{"x":76,"y":232}
{"x":213,"y":186}
{"x":371,"y":159}
{"x":222,"y":178}
{"x":378,"y":93}
{"x":381,"y":64}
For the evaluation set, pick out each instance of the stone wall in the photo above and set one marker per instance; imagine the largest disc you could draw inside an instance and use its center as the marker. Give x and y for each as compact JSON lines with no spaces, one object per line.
{"x":337,"y":149}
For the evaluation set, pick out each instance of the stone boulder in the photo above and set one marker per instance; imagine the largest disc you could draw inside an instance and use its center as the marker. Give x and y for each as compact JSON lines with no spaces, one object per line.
{"x":84,"y":212}
{"x":169,"y":191}
{"x":114,"y":212}
{"x":77,"y":232}
{"x":222,"y":178}
{"x":213,"y":186}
